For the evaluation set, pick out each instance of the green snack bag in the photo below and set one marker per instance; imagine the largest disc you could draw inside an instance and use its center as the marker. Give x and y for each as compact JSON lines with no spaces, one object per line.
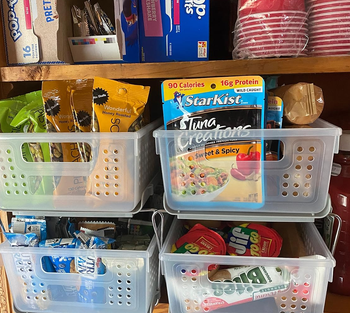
{"x":31,"y":119}
{"x":8,"y":111}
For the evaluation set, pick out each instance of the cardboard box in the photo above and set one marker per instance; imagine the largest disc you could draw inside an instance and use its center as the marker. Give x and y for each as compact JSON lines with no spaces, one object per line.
{"x":174,"y":30}
{"x":119,"y":48}
{"x":36,"y":31}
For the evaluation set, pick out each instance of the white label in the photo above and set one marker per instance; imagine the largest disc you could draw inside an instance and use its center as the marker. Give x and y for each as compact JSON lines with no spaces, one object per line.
{"x":202,"y":49}
{"x":336,"y":169}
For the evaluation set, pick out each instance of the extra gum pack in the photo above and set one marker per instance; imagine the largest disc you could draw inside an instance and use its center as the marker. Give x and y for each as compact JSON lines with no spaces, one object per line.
{"x":211,"y":165}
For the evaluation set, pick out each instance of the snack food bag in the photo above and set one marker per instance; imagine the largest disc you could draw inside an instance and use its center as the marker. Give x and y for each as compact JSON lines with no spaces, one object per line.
{"x":117,"y":106}
{"x":303,"y":102}
{"x":211,"y":166}
{"x":81,"y":98}
{"x":57,"y":96}
{"x":243,"y":284}
{"x":24,"y":114}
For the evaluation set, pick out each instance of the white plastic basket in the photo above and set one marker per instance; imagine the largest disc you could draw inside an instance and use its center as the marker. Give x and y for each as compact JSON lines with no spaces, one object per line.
{"x":295,"y":185}
{"x":188,"y":289}
{"x":130,"y":284}
{"x":116,"y":178}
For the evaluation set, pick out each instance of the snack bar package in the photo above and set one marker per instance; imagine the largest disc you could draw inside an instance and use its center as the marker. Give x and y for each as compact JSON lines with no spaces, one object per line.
{"x":212,"y":166}
{"x":274,"y":117}
{"x":117,"y":106}
{"x":23,"y":225}
{"x":244,"y":284}
{"x":57,"y":96}
{"x":303,"y":102}
{"x":253,"y":240}
{"x":80,"y":102}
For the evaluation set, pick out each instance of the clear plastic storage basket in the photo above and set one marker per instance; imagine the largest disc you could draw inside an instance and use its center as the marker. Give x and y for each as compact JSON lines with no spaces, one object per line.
{"x":114,"y":181}
{"x":304,"y":290}
{"x":295,"y":185}
{"x":129,"y":284}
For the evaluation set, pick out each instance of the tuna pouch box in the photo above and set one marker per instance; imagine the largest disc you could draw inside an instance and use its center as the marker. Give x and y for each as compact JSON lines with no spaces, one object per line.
{"x":217,"y":166}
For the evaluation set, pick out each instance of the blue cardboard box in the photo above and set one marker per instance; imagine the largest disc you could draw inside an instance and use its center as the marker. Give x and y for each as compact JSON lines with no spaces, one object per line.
{"x":174,"y":30}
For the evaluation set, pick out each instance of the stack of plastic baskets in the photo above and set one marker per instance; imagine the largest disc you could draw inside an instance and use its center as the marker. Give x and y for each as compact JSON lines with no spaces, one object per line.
{"x":118,"y":181}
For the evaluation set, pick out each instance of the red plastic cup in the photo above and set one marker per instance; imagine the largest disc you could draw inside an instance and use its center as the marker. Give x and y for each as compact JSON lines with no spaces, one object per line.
{"x":273,"y":43}
{"x":326,"y":32}
{"x":269,"y":54}
{"x":273,"y":37}
{"x":285,"y":15}
{"x":328,"y":27}
{"x":297,"y":32}
{"x":329,"y":10}
{"x":273,"y":26}
{"x":330,"y":17}
{"x":279,"y":20}
{"x":331,"y":36}
{"x":246,"y":7}
{"x":331,"y":42}
{"x":329,"y":53}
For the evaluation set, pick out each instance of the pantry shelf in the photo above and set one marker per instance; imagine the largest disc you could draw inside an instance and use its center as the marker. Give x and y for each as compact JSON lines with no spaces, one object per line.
{"x":178,"y":69}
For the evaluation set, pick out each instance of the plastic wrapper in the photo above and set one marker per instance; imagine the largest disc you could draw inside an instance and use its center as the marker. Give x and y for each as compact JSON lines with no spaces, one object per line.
{"x":80,"y":23}
{"x":244,"y":284}
{"x":271,"y":29}
{"x":253,"y":240}
{"x":81,"y":105}
{"x":57,"y":97}
{"x":329,"y":28}
{"x":117,"y":106}
{"x":24,"y":225}
{"x":92,"y":20}
{"x":303,"y":102}
{"x":105,"y":25}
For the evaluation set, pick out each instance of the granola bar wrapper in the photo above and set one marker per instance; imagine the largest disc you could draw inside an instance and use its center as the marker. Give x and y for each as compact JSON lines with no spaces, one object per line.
{"x":80,"y":102}
{"x":57,"y":96}
{"x":117,"y":106}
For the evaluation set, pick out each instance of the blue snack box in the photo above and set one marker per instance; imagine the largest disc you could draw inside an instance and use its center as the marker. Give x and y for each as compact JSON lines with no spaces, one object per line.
{"x":174,"y":30}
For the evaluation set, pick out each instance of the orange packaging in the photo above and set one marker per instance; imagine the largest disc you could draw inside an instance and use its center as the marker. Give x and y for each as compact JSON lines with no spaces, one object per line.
{"x":57,"y":97}
{"x":117,"y":106}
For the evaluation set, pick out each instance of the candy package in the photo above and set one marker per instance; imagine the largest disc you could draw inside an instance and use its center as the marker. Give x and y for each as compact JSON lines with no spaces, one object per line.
{"x":117,"y":106}
{"x":212,"y":166}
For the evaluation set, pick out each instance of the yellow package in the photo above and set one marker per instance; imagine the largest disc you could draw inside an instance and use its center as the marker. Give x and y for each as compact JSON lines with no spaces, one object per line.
{"x":117,"y":106}
{"x":80,"y":102}
{"x":57,"y":97}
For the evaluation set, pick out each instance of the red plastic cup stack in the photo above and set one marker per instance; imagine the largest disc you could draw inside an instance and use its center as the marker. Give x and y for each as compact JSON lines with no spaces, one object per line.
{"x":271,"y":28}
{"x":329,"y":27}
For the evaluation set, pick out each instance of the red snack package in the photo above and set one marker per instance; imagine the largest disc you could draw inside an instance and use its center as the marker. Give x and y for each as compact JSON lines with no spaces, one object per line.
{"x":201,"y":240}
{"x":253,"y":240}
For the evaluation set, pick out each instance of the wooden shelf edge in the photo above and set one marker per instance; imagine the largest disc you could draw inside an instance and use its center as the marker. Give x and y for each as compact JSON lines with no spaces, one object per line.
{"x":178,"y":69}
{"x":334,"y":304}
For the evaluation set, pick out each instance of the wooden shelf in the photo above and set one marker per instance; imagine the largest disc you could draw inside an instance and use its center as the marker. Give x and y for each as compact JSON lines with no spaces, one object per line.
{"x":178,"y":69}
{"x":334,"y":304}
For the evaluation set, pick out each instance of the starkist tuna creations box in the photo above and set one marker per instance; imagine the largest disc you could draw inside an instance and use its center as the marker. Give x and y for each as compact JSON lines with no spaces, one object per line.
{"x":174,"y":30}
{"x":216,"y":161}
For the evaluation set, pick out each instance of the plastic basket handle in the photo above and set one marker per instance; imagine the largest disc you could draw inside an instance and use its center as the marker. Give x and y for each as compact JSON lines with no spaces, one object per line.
{"x":336,"y":237}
